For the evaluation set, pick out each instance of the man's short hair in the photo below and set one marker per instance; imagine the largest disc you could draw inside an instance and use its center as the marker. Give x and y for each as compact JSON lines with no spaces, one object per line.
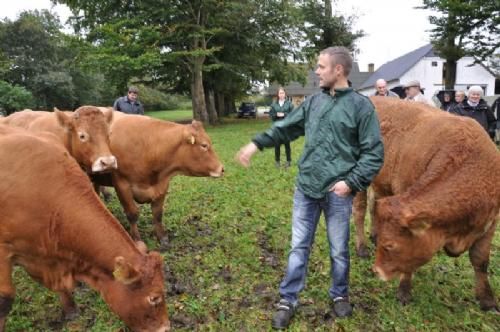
{"x":133,"y":89}
{"x":340,"y":56}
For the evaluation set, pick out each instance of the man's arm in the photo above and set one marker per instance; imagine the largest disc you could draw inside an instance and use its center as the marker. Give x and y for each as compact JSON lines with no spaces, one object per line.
{"x":141,"y":109}
{"x":115,"y":105}
{"x":371,"y":152}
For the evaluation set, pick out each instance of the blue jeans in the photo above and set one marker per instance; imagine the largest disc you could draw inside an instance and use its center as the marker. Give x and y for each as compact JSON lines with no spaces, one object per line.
{"x":306,"y":213}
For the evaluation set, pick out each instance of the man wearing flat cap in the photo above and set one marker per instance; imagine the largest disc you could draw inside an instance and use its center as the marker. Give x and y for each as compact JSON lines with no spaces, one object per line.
{"x":413,"y":93}
{"x":129,"y":103}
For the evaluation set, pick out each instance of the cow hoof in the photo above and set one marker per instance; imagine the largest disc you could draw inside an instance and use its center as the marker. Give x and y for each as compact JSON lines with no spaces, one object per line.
{"x":490,"y":306}
{"x":71,"y":315}
{"x":164,"y":244}
{"x":404,"y":298}
{"x":373,"y":238}
{"x":363,"y":251}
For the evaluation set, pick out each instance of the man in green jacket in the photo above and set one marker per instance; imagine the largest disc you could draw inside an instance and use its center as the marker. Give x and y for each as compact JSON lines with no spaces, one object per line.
{"x":343,"y":152}
{"x":279,"y":110}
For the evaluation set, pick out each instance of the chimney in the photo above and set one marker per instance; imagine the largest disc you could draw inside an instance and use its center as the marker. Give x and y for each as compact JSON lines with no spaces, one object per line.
{"x":371,"y":67}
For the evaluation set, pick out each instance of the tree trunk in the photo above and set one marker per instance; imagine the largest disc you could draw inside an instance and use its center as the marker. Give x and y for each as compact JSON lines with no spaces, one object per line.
{"x":197,"y":92}
{"x":219,"y":104}
{"x":210,"y":102}
{"x":229,"y":104}
{"x":450,"y":76}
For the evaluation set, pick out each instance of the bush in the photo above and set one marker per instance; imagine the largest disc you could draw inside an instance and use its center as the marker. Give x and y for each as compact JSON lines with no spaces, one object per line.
{"x":14,"y":98}
{"x":155,"y":100}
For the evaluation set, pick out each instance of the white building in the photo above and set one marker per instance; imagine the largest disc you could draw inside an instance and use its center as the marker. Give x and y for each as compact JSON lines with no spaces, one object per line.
{"x":425,"y":66}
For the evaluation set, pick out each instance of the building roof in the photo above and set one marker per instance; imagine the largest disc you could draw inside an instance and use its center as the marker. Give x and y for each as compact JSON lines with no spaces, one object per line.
{"x":396,"y":68}
{"x":312,"y":83}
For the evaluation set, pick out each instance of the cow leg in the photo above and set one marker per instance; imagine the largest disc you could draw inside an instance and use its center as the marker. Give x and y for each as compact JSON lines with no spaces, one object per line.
{"x":157,"y":209}
{"x":7,"y":290}
{"x":359,"y":214}
{"x":126,"y":198}
{"x":70,"y":310}
{"x":404,"y":289}
{"x":479,"y":255}
{"x":371,"y":202}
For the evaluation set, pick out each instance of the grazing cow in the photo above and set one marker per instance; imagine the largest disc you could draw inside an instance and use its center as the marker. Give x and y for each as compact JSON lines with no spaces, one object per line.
{"x":438,"y":189}
{"x":150,"y":152}
{"x":53,"y":225}
{"x":84,"y":133}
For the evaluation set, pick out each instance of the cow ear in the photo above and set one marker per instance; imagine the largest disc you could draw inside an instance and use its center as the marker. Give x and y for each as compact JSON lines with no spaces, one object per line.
{"x":197,"y":125}
{"x":108,"y":114}
{"x":417,"y":223}
{"x":124,"y":272}
{"x":63,"y":119}
{"x":142,"y":247}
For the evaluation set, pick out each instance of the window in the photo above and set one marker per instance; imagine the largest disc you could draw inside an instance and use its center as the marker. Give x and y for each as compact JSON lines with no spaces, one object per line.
{"x":434,"y":64}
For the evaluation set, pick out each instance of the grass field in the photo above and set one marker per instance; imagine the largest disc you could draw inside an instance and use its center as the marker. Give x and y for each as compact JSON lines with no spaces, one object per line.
{"x":229,"y":242}
{"x":175,"y":115}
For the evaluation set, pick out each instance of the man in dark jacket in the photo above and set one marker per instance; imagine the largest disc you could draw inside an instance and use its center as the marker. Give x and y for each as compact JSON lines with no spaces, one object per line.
{"x":129,"y":103}
{"x":342,"y":154}
{"x":476,"y":108}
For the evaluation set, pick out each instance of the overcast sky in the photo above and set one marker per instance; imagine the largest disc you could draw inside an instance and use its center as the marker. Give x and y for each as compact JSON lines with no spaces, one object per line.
{"x":392,"y":27}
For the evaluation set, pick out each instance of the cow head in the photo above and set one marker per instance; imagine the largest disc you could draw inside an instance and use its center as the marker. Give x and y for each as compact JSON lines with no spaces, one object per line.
{"x":404,"y":242}
{"x":136,"y":294}
{"x":199,"y":156}
{"x":88,"y":130}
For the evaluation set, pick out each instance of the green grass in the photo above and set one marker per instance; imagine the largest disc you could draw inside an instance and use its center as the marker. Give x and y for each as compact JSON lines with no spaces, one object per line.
{"x":229,"y":242}
{"x":175,"y":115}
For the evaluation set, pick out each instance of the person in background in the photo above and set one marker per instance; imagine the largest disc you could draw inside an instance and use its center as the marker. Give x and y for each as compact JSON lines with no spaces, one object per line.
{"x":447,"y":103}
{"x":381,"y":89}
{"x":495,"y":108}
{"x":342,"y":154}
{"x":279,"y":110}
{"x":129,"y":103}
{"x":413,"y":93}
{"x":477,"y":108}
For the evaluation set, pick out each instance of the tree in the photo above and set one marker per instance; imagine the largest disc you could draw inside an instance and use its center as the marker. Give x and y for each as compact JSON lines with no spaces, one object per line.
{"x":463,"y":28}
{"x":14,"y":98}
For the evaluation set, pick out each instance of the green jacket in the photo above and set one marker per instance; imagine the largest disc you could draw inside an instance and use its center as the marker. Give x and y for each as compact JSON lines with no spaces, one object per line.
{"x":275,"y":108}
{"x":343,"y":141}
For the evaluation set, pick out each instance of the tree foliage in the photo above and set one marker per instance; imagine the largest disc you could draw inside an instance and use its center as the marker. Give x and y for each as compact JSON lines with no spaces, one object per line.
{"x":464,"y":27}
{"x":14,"y":98}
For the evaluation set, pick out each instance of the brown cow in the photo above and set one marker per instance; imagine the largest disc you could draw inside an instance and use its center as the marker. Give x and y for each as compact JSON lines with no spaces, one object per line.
{"x":150,"y":152}
{"x":84,"y":133}
{"x":438,"y":189}
{"x":53,"y":224}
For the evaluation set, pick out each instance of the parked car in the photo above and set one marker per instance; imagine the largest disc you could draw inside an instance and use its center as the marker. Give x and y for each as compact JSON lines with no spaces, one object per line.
{"x":247,"y":110}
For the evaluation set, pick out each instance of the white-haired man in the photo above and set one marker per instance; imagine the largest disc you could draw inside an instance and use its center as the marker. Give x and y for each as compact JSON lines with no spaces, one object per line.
{"x":477,"y":108}
{"x":381,"y":89}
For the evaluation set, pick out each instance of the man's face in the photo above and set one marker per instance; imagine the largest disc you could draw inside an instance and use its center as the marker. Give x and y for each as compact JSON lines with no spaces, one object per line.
{"x":328,"y":72}
{"x":459,"y":97}
{"x":382,"y":88}
{"x":132,"y":96}
{"x":474,"y":96}
{"x":412,"y":91}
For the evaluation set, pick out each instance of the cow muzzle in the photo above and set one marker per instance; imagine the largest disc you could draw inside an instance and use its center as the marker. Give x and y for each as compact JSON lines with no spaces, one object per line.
{"x":380,"y":273}
{"x":104,"y":164}
{"x":218,"y":173}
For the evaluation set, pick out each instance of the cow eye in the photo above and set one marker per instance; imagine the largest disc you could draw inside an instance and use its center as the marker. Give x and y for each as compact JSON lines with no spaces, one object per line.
{"x":204,"y":146}
{"x":389,"y":246}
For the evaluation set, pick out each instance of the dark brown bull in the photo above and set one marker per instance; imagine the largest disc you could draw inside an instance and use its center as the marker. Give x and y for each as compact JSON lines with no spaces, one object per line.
{"x":150,"y":152}
{"x":438,"y":189}
{"x":53,"y":225}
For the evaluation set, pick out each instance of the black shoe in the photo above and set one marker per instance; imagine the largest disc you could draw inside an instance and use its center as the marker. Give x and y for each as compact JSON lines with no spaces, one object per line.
{"x":287,"y":164}
{"x":283,"y":315}
{"x":277,"y":164}
{"x":341,"y":307}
